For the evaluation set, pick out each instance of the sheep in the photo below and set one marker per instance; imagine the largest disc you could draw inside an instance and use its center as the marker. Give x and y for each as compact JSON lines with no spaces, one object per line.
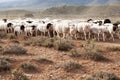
{"x":29,"y":31}
{"x":102,"y":29}
{"x":41,"y":28}
{"x":84,"y":27}
{"x":61,"y":27}
{"x":18,"y":30}
{"x":73,"y":30}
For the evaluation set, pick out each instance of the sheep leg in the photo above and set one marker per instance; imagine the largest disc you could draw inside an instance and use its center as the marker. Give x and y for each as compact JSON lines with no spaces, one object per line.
{"x":112,"y":37}
{"x":64,"y":35}
{"x":49,"y":34}
{"x":119,"y":35}
{"x":98,"y":36}
{"x":76,"y":36}
{"x":103,"y":36}
{"x":58,"y":35}
{"x":53,"y":33}
{"x":85,"y":35}
{"x":44,"y":33}
{"x":15,"y":33}
{"x":89,"y":35}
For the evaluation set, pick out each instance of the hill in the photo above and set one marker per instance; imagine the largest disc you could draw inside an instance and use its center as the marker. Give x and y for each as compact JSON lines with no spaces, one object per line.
{"x":89,"y":11}
{"x":105,"y":11}
{"x":14,"y":13}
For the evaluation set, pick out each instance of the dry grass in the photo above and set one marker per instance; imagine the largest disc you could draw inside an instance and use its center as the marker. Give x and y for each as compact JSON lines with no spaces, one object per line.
{"x":117,"y":48}
{"x":1,"y":49}
{"x":94,"y":57}
{"x":27,"y":43}
{"x":44,"y":61}
{"x":63,"y":45}
{"x":19,"y":75}
{"x":38,"y":41}
{"x":11,"y":36}
{"x":103,"y":76}
{"x":4,"y":65}
{"x":14,"y":49}
{"x":42,"y":41}
{"x":15,"y":41}
{"x":3,"y":34}
{"x":92,"y":52}
{"x":28,"y":67}
{"x":48,"y":43}
{"x":74,"y":53}
{"x":71,"y":66}
{"x":58,"y":44}
{"x":90,"y":46}
{"x":1,"y":41}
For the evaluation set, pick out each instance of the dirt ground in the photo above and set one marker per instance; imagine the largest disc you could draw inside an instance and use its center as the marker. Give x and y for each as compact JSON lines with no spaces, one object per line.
{"x":54,"y":71}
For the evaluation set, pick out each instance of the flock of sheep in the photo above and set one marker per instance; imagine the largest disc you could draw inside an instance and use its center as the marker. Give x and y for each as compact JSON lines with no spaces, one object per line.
{"x":99,"y":29}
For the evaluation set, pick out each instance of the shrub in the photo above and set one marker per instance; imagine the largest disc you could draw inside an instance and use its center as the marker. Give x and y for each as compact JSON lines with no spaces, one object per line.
{"x":63,"y":45}
{"x":15,"y":41}
{"x":14,"y":49}
{"x":94,"y":56}
{"x":48,"y":43}
{"x":4,"y":65}
{"x":92,"y":52}
{"x":28,"y":67}
{"x":117,"y":48}
{"x":103,"y":76}
{"x":19,"y":75}
{"x":70,"y":66}
{"x":90,"y":46}
{"x":3,"y":34}
{"x":7,"y":59}
{"x":74,"y":53}
{"x":27,"y":43}
{"x":38,"y":41}
{"x":11,"y":36}
{"x":42,"y":41}
{"x":44,"y":60}
{"x":1,"y":41}
{"x":1,"y":49}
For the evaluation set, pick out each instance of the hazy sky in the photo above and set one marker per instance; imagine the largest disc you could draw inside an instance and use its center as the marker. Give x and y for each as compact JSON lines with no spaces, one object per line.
{"x":5,"y":4}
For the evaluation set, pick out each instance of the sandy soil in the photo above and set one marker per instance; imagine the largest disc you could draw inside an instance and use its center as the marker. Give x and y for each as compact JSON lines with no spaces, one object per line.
{"x":54,"y":71}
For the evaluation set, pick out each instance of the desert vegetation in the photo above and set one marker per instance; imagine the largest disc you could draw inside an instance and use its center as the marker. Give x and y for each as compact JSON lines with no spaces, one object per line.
{"x":44,"y":58}
{"x":52,"y":58}
{"x":103,"y":75}
{"x":14,"y":49}
{"x":71,"y":66}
